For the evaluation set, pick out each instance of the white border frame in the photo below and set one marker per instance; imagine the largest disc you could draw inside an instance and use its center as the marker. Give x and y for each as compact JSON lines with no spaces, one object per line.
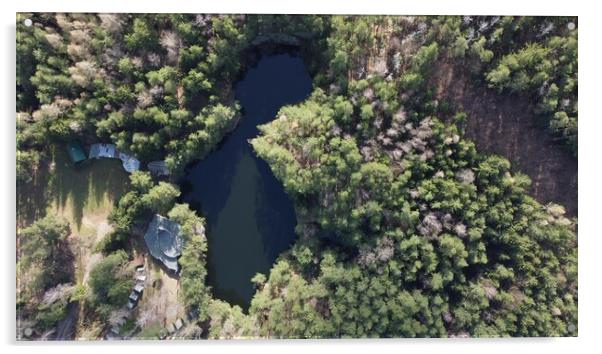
{"x":589,"y":148}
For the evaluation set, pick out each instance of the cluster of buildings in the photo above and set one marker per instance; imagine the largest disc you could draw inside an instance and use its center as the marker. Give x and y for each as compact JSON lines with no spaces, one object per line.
{"x":162,"y":237}
{"x":100,"y":150}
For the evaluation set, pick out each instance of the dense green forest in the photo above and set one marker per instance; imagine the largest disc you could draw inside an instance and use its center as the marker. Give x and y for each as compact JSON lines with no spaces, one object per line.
{"x":404,"y":228}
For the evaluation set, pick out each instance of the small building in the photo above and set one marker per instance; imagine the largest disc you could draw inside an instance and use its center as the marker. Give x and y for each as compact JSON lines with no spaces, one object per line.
{"x":164,"y":241}
{"x":76,"y":152}
{"x":102,"y":150}
{"x":158,"y":168}
{"x":130,"y":163}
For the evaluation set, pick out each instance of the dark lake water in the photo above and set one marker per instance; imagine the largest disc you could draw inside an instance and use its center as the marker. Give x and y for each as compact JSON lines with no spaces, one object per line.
{"x":250,"y":219}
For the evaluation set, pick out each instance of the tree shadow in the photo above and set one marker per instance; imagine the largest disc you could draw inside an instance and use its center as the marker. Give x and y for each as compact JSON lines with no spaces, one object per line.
{"x":87,"y":185}
{"x":32,"y":197}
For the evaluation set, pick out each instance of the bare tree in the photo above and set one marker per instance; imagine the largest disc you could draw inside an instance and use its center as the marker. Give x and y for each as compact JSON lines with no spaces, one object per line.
{"x":117,"y":317}
{"x":385,"y":249}
{"x":191,"y":331}
{"x":54,"y":39}
{"x":47,"y":112}
{"x":59,"y":292}
{"x":490,"y":289}
{"x":172,"y":44}
{"x":431,"y":226}
{"x":146,"y":317}
{"x":83,"y":73}
{"x":366,"y":257}
{"x":110,"y":22}
{"x":465,"y":176}
{"x":145,"y":99}
{"x":154,"y":59}
{"x":460,"y":230}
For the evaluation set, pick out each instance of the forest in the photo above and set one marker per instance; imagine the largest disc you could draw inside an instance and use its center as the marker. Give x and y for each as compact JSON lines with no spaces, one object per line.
{"x":404,"y":227}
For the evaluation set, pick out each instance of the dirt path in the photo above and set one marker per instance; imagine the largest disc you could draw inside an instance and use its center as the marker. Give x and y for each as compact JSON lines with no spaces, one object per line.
{"x":160,"y":302}
{"x":94,"y":227}
{"x":505,"y":125}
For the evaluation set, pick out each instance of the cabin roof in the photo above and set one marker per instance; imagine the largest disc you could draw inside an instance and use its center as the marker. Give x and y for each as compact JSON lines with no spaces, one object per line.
{"x":102,"y":150}
{"x":129,"y":162}
{"x":164,"y":241}
{"x":76,"y":152}
{"x":158,"y":168}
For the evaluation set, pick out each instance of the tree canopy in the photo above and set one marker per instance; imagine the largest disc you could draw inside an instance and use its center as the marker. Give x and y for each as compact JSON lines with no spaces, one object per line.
{"x":404,"y":228}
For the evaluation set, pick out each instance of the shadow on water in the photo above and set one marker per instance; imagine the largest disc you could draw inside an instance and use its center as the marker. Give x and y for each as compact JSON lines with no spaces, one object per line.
{"x":250,"y":219}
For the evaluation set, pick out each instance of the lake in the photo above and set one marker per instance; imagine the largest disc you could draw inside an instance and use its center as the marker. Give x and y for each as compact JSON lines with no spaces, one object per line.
{"x":250,"y":219}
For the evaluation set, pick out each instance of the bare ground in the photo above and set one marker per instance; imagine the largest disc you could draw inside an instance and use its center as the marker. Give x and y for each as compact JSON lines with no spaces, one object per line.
{"x":160,"y":302}
{"x":505,"y":125}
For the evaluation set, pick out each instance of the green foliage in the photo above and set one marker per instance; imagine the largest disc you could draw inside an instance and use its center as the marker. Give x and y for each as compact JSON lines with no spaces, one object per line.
{"x":421,"y":230}
{"x":161,"y":197}
{"x":144,"y":199}
{"x":49,"y":315}
{"x":548,"y":73}
{"x":533,"y":56}
{"x":28,"y":39}
{"x":111,"y":282}
{"x":195,"y":293}
{"x":27,"y":163}
{"x":404,"y":229}
{"x":227,"y":322}
{"x":142,"y":36}
{"x":112,"y":242}
{"x":212,"y":123}
{"x":44,"y":258}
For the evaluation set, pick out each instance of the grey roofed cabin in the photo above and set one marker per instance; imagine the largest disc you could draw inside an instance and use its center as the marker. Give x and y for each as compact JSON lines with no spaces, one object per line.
{"x":164,"y":241}
{"x":76,"y":152}
{"x":99,"y":150}
{"x":158,"y":168}
{"x":103,"y":150}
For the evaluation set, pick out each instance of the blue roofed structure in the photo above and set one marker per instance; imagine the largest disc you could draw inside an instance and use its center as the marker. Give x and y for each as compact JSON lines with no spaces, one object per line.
{"x":76,"y":152}
{"x":103,"y":150}
{"x":129,"y":162}
{"x":164,"y":241}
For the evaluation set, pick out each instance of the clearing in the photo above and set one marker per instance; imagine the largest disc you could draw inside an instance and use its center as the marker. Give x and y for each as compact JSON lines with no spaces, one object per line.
{"x":506,"y":125}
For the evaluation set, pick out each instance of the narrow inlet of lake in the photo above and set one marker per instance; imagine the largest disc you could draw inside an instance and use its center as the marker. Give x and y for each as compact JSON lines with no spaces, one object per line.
{"x":250,"y":219}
